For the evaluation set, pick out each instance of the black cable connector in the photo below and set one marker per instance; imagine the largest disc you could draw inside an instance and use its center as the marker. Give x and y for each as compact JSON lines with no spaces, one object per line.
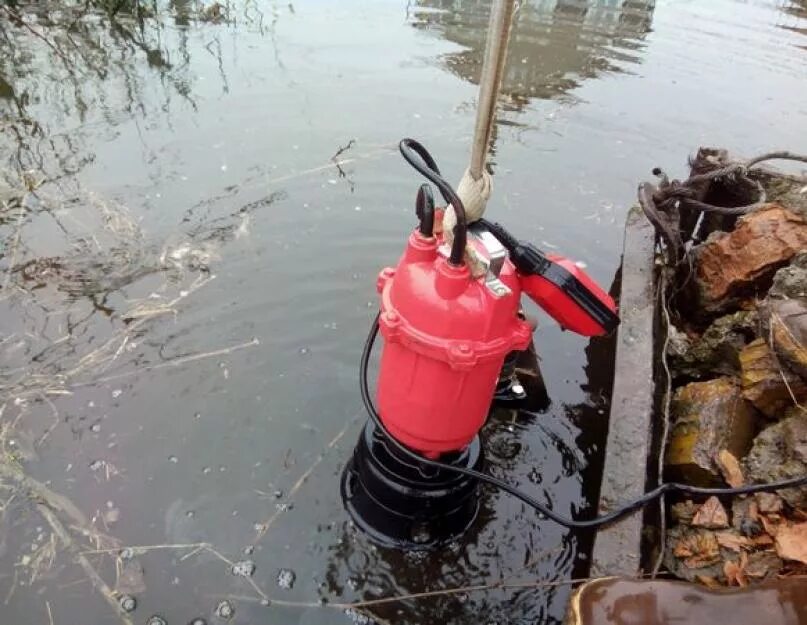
{"x":597,"y":521}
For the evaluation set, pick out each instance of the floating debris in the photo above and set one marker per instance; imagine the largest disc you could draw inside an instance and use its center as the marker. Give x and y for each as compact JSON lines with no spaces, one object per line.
{"x":156,"y":620}
{"x":128,"y":603}
{"x":286,"y":578}
{"x":243,"y":568}
{"x":358,"y":618}
{"x":225,"y":610}
{"x":126,"y":554}
{"x":198,"y":621}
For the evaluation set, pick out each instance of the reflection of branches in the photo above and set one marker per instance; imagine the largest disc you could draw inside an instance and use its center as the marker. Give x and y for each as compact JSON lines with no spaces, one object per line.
{"x":75,"y":49}
{"x":225,"y":87}
{"x":19,"y":21}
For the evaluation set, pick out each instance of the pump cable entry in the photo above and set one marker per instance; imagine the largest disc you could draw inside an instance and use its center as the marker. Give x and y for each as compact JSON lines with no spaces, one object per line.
{"x":597,"y":521}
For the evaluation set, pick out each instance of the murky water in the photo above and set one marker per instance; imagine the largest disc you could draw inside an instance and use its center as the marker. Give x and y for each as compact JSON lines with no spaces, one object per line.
{"x":186,"y":291}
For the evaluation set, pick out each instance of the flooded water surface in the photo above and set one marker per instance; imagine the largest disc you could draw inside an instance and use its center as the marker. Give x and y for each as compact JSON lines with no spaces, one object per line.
{"x":195,"y":206}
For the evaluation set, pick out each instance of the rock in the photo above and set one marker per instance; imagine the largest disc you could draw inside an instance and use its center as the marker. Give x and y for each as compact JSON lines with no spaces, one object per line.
{"x":769,"y":503}
{"x":779,"y":453}
{"x":763,"y":565}
{"x":683,"y":511}
{"x":708,"y":417}
{"x":791,"y":282}
{"x":716,"y":351}
{"x":785,"y":324}
{"x":745,"y":516}
{"x":734,"y":265}
{"x":791,"y":542}
{"x":765,"y":383}
{"x":782,"y":188}
{"x":711,"y":515}
{"x":730,"y":468}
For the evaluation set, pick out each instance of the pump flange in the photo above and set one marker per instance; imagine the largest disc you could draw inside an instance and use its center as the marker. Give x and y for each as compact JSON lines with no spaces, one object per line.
{"x":402,"y":504}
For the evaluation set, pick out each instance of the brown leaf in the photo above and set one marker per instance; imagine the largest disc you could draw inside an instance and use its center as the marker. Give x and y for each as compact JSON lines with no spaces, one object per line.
{"x":791,"y":542}
{"x":711,"y":515}
{"x":733,"y":541}
{"x":763,"y":540}
{"x":698,"y":549}
{"x":730,"y":468}
{"x":769,"y":502}
{"x":735,"y":576}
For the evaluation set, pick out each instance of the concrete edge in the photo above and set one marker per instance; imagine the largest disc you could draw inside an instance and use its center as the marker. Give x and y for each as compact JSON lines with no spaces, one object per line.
{"x":617,"y":548}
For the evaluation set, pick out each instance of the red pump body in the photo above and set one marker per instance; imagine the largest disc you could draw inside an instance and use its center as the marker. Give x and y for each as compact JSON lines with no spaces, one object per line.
{"x":445,"y":338}
{"x":446,"y":335}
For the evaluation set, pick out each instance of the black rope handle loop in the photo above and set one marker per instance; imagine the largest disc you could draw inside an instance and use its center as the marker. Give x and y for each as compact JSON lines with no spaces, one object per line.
{"x":410,"y":150}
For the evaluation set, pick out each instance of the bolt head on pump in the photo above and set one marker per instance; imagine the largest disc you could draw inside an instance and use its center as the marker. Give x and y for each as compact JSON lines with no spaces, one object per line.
{"x":446,"y":335}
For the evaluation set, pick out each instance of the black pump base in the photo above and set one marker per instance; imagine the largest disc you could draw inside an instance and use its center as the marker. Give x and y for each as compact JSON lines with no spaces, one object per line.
{"x":401,"y":503}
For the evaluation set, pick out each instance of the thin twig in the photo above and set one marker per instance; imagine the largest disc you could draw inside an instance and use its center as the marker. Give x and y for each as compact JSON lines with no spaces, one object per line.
{"x":50,"y":613}
{"x":343,"y":149}
{"x":147,"y":548}
{"x":775,"y":358}
{"x":174,"y":362}
{"x":665,"y":431}
{"x":14,"y":250}
{"x":264,"y":527}
{"x":89,"y":570}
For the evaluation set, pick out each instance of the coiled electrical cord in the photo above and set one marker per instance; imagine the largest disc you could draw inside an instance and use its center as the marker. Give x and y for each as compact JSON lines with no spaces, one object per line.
{"x":597,"y":521}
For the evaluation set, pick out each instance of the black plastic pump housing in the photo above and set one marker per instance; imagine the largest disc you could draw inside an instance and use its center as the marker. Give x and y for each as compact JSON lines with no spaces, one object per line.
{"x":401,"y":503}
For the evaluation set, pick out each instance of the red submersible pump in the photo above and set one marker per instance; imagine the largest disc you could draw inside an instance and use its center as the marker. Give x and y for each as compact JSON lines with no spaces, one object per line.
{"x":447,"y":332}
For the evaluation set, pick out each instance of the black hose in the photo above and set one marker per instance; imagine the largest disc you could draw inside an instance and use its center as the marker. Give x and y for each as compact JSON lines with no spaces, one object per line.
{"x":596,"y":521}
{"x":409,"y":148}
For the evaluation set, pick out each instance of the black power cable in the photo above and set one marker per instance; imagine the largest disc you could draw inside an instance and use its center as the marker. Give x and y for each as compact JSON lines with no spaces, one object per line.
{"x":409,"y":148}
{"x":597,"y":521}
